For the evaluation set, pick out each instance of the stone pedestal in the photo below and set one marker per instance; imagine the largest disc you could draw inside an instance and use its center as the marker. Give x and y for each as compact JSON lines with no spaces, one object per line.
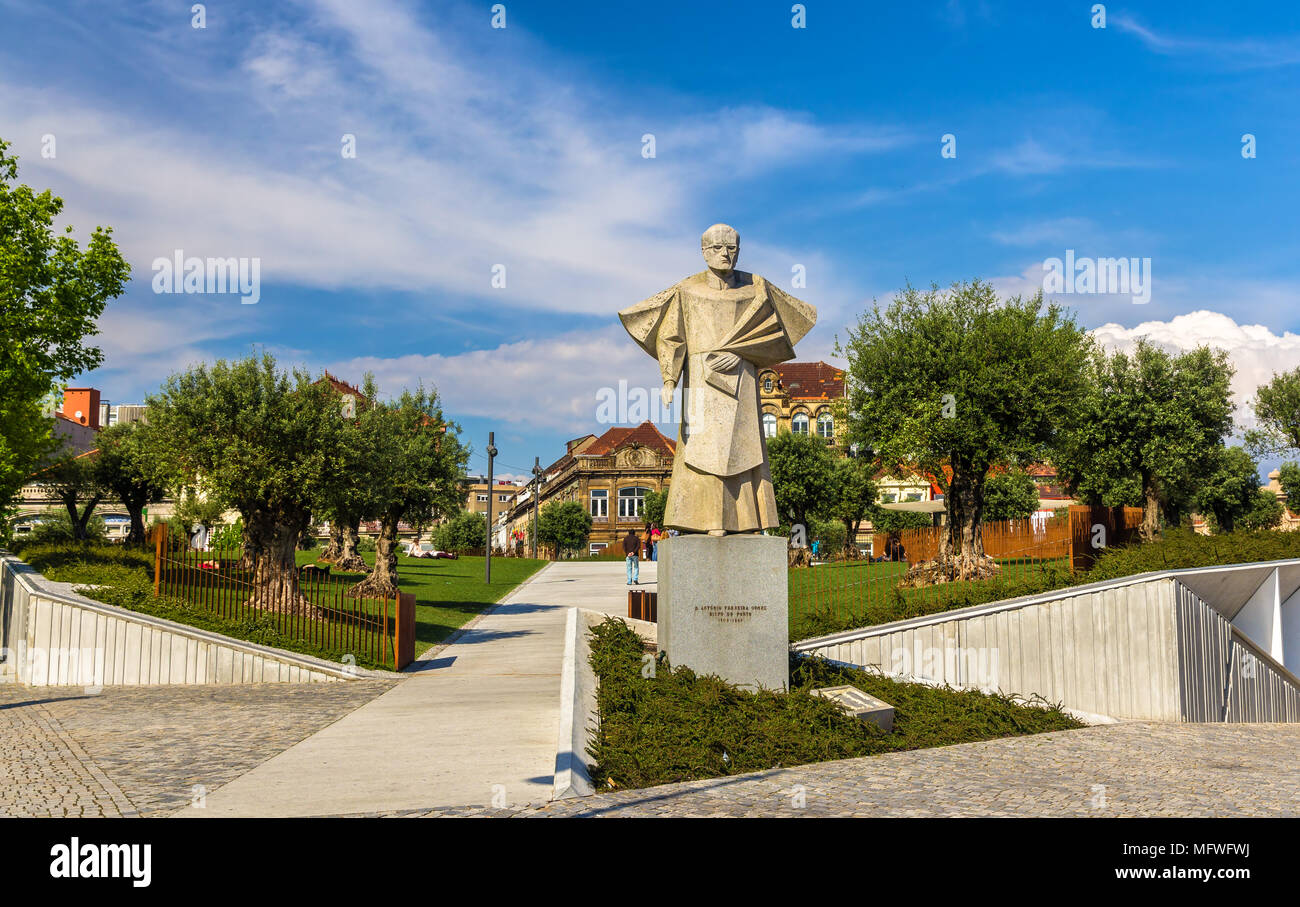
{"x":724,"y":607}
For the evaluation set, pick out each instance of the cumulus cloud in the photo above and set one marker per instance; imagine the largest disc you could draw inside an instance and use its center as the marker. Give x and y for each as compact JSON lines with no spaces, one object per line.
{"x":1256,"y":351}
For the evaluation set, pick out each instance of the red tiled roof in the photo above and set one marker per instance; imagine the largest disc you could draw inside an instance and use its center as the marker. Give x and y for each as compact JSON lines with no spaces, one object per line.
{"x":813,"y":380}
{"x":645,"y":435}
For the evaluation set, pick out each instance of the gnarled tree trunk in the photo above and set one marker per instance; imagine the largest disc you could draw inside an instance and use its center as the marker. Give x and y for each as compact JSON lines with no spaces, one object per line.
{"x":275,"y":570}
{"x":1150,"y":511}
{"x":334,"y":550}
{"x":961,"y":544}
{"x":350,"y":558}
{"x":382,"y":581}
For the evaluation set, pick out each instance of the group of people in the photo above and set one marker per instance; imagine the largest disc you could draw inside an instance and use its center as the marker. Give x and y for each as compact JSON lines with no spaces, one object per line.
{"x":636,"y":547}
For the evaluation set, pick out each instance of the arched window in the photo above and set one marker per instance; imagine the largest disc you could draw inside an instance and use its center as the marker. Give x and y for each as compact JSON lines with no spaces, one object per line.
{"x":630,"y":501}
{"x":767,"y":384}
{"x":769,"y":425}
{"x":825,"y":424}
{"x":799,"y":424}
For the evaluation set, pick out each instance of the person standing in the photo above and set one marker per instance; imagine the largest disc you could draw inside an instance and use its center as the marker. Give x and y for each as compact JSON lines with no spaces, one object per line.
{"x":655,"y":536}
{"x":632,"y":549}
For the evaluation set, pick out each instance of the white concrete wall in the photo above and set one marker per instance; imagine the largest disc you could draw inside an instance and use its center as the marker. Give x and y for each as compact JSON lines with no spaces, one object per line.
{"x":1106,"y":652}
{"x":57,"y":637}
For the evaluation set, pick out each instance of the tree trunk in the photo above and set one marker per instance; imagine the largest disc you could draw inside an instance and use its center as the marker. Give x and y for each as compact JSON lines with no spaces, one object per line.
{"x":961,"y":542}
{"x":275,"y":571}
{"x":350,"y":558}
{"x":334,"y":550}
{"x":1150,"y":511}
{"x":137,"y":533}
{"x":382,"y":581}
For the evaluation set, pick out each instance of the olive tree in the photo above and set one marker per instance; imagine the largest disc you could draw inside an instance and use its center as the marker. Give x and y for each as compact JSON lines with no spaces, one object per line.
{"x":414,"y":476}
{"x":263,"y":441}
{"x":1150,"y":431}
{"x":962,"y":379}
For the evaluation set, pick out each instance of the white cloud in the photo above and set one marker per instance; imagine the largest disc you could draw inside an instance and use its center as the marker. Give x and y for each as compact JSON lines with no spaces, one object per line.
{"x":1254,"y":349}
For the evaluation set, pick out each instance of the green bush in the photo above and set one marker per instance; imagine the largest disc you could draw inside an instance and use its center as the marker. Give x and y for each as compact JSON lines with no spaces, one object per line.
{"x":462,"y":532}
{"x":56,"y":526}
{"x":1182,"y":548}
{"x":678,"y":726}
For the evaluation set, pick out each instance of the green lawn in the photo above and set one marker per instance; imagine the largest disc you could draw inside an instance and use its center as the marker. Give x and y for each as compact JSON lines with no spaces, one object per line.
{"x":827,"y":598}
{"x":448,"y":593}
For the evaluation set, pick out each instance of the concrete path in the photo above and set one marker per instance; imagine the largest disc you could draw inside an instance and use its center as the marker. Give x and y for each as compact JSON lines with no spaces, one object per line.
{"x":475,"y":725}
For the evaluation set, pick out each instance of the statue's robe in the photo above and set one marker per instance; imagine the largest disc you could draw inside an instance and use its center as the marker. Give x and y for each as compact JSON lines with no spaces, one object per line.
{"x":712,"y":339}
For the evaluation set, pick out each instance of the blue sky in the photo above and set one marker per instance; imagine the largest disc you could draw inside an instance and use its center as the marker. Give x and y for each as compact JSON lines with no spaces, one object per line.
{"x":523,"y":147}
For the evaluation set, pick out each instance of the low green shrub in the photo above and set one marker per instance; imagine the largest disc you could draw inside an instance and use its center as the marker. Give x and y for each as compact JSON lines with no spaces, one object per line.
{"x":679,"y":726}
{"x":1183,"y":548}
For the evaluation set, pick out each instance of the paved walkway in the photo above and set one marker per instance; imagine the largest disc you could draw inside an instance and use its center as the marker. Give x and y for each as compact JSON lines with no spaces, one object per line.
{"x":148,"y":751}
{"x":1133,"y":769}
{"x":474,"y":726}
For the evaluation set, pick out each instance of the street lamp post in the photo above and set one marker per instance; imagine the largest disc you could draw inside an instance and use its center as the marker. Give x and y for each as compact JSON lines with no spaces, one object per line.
{"x":537,"y":493}
{"x":487,"y":550}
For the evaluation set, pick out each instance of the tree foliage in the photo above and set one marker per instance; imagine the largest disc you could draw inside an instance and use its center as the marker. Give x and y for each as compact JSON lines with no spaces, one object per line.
{"x":130,"y":466}
{"x":1151,"y":430}
{"x":1230,"y":490}
{"x":416,"y":463}
{"x":959,"y":378}
{"x":51,"y":293}
{"x":653,"y":506}
{"x":462,"y":532}
{"x":803,"y":476}
{"x":262,"y":441}
{"x":563,"y":526}
{"x":1277,"y":414}
{"x":853,"y":492}
{"x":1010,"y":495}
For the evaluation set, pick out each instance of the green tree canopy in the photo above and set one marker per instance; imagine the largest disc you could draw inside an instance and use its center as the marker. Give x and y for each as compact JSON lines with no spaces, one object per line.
{"x":262,"y":441}
{"x":853,"y":492}
{"x":803,"y":476}
{"x":959,"y":378}
{"x":1277,"y":412}
{"x":1010,"y":495}
{"x":564,"y":525}
{"x":1265,"y":512}
{"x":131,"y":466}
{"x":1230,"y":490}
{"x":1151,"y":430}
{"x":653,"y":506}
{"x":51,"y":294}
{"x":413,"y":477}
{"x":462,"y":532}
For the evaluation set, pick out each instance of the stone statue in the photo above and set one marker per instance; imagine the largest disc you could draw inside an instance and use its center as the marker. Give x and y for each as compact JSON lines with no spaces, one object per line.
{"x":712,"y":332}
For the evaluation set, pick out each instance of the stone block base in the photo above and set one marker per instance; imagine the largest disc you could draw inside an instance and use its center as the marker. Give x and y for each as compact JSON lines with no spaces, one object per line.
{"x":724,"y":607}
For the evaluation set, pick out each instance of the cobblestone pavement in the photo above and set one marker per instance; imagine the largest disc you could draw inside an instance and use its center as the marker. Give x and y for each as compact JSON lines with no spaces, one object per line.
{"x":142,"y":750}
{"x":1132,"y":769}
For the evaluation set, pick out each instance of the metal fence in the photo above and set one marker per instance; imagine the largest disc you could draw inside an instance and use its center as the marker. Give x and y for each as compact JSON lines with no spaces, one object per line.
{"x":321,"y":615}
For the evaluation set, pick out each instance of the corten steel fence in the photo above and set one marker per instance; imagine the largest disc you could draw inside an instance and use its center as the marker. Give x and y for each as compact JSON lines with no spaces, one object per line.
{"x":1029,"y":554}
{"x":382,"y":630}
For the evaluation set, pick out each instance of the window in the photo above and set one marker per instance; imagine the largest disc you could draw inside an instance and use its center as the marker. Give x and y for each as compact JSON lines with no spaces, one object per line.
{"x":503,"y":498}
{"x":597,"y":547}
{"x":600,"y":503}
{"x":767,"y":385}
{"x":769,"y":425}
{"x":482,"y":499}
{"x":912,"y":496}
{"x":629,"y":502}
{"x":825,"y":425}
{"x":888,"y":497}
{"x":799,"y":424}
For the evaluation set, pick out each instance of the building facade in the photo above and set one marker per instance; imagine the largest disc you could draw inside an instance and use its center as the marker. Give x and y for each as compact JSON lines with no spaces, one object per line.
{"x":609,"y":475}
{"x":800,"y":397}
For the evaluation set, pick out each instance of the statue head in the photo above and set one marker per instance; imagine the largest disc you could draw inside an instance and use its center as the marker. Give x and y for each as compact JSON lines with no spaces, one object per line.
{"x":721,"y":247}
